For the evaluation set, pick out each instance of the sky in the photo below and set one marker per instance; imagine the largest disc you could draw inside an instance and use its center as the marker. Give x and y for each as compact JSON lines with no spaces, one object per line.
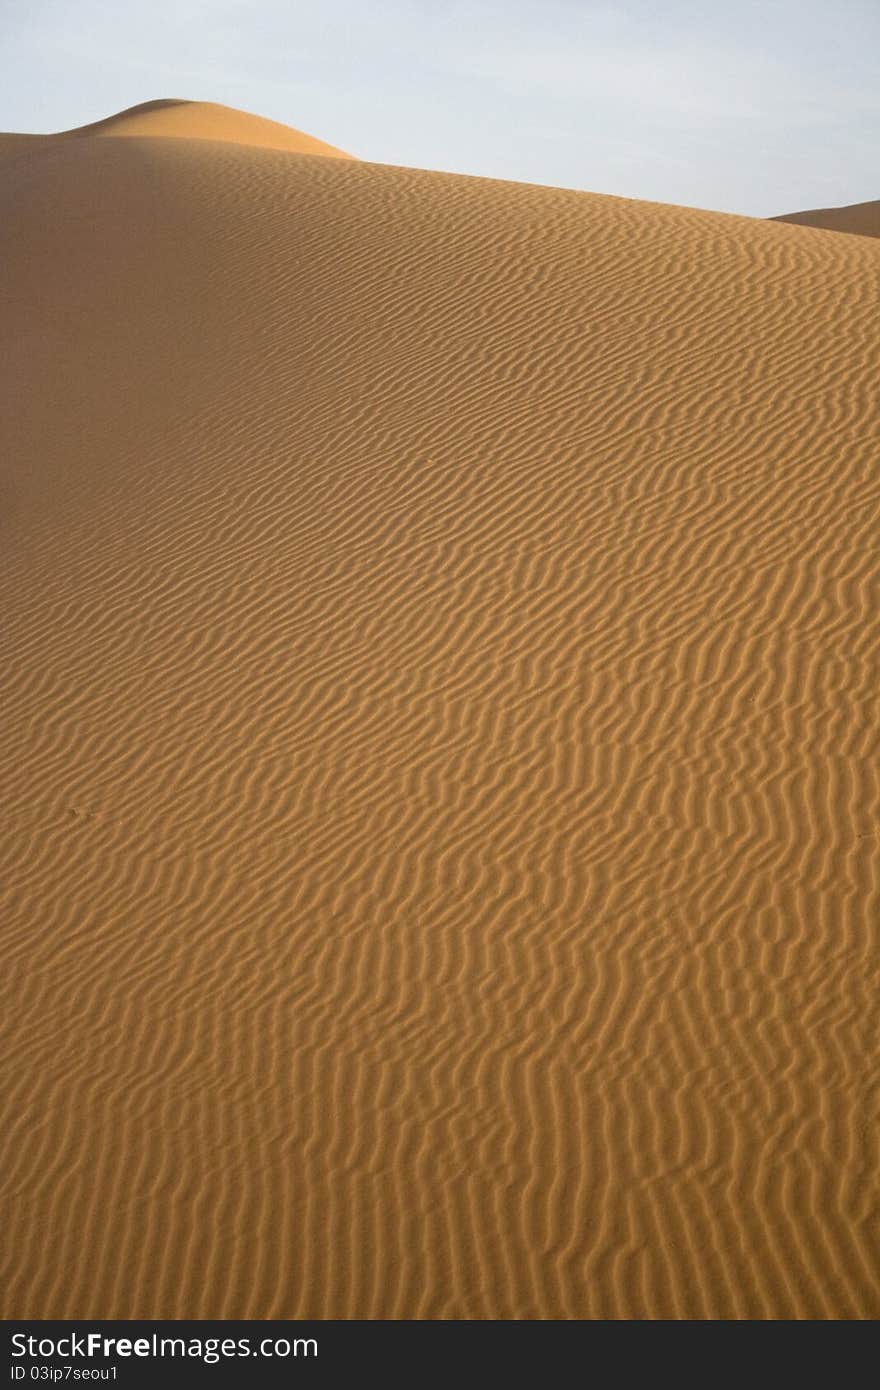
{"x":754,"y":107}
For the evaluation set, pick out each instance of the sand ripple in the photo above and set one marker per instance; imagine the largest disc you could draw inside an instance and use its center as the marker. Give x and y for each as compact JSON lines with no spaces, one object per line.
{"x":439,"y":756}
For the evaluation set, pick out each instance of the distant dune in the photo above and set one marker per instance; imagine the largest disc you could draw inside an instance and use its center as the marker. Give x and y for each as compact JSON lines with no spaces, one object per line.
{"x":862,"y":219}
{"x":188,"y":120}
{"x":441,"y":852}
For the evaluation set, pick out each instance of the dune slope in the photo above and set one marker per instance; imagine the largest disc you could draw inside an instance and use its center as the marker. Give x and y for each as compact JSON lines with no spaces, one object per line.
{"x":439,"y":786}
{"x":187,"y":120}
{"x":861,"y":219}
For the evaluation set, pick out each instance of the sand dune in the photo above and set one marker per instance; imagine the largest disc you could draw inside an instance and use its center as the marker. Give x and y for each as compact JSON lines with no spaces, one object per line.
{"x":862,"y":219}
{"x":188,"y":120}
{"x":439,"y":783}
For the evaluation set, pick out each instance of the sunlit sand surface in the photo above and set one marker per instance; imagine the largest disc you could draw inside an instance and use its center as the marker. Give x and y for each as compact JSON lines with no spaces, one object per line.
{"x":439,"y":746}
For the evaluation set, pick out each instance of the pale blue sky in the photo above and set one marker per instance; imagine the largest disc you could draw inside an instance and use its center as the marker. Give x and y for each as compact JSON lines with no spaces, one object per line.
{"x":757,"y":108}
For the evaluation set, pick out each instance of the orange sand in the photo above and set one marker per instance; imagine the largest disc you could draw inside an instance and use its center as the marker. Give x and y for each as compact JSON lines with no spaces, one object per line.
{"x":439,"y":755}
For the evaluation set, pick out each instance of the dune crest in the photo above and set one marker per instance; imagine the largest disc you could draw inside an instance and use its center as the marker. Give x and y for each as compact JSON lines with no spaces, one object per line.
{"x":440,"y":665}
{"x":859,"y":219}
{"x":171,"y":118}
